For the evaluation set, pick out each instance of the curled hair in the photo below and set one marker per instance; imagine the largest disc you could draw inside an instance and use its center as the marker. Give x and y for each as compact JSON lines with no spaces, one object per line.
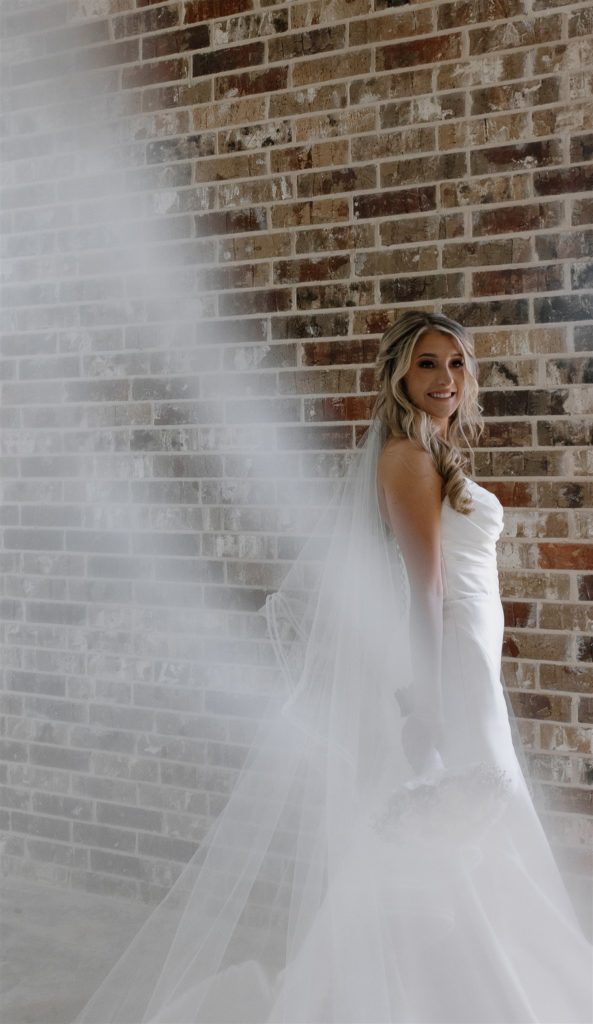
{"x":401,"y":418}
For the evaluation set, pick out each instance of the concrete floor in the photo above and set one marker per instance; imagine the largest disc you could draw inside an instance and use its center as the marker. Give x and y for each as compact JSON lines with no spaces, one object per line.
{"x":48,"y":971}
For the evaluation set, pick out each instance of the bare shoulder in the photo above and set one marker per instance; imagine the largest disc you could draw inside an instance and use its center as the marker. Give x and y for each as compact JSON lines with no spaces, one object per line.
{"x":409,"y":489}
{"x":404,"y":465}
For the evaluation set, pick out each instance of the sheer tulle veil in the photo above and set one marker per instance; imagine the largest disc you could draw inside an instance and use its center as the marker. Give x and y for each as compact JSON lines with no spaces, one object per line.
{"x":319,"y":844}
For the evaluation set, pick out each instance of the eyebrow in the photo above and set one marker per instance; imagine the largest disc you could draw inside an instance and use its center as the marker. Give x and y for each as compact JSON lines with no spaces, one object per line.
{"x":434,"y":356}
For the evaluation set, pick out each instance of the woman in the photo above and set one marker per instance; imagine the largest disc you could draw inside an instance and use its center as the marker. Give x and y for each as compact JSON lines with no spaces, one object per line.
{"x":380,"y":858}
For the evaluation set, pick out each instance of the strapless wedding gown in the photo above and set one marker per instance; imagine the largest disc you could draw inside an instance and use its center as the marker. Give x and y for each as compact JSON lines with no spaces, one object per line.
{"x":476,"y":926}
{"x":448,"y":906}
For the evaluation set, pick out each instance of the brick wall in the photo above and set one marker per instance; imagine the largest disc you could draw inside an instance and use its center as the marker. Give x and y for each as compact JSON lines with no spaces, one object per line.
{"x":312,"y":166}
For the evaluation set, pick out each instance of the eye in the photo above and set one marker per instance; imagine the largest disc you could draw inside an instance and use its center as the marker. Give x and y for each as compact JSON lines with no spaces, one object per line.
{"x":429,"y":363}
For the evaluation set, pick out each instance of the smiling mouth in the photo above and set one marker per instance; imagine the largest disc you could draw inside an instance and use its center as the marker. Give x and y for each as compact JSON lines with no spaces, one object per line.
{"x":441,"y":394}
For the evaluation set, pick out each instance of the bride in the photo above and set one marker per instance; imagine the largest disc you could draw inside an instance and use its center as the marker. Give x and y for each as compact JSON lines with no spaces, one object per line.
{"x":379,"y":858}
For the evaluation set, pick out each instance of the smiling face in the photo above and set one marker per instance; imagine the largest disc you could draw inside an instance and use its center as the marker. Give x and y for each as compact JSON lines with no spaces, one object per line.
{"x":435,"y":379}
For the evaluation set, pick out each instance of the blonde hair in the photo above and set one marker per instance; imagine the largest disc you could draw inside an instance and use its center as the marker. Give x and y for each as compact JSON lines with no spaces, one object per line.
{"x":400,"y":418}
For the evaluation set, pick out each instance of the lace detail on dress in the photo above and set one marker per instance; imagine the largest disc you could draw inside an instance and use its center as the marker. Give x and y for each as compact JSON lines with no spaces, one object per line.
{"x":456,"y":808}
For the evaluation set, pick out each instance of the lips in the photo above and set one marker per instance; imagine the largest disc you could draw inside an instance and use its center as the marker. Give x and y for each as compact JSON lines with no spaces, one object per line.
{"x":442,"y":395}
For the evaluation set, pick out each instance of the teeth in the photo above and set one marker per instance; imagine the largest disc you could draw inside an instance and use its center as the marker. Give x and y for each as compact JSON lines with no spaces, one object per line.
{"x":441,"y":394}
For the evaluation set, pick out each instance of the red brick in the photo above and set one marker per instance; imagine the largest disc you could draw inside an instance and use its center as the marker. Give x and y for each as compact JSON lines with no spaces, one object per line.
{"x":329,"y":268}
{"x":485,"y":314}
{"x":334,"y":353}
{"x":422,"y":287}
{"x":563,"y":307}
{"x":360,"y":236}
{"x":570,"y":179}
{"x":330,"y":181}
{"x":356,"y":293}
{"x":316,"y":211}
{"x":466,"y":12}
{"x":521,"y":614}
{"x":302,"y":44}
{"x":429,"y":168}
{"x":523,"y":32}
{"x":431,"y":50}
{"x":509,"y":158}
{"x":540,"y":705}
{"x":216,"y":62}
{"x":398,"y":25}
{"x":319,"y":325}
{"x":269,"y":80}
{"x":204,"y":10}
{"x":566,"y":556}
{"x":175,"y":42}
{"x":503,"y":282}
{"x":421,"y":229}
{"x":508,"y":219}
{"x":385,"y":204}
{"x":231,"y":223}
{"x":480,"y":254}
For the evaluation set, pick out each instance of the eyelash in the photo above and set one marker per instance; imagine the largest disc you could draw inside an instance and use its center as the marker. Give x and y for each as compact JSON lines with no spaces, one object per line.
{"x":429,"y":362}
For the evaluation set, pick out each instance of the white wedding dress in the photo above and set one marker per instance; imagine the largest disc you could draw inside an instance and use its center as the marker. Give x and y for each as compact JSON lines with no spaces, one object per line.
{"x":444,"y":904}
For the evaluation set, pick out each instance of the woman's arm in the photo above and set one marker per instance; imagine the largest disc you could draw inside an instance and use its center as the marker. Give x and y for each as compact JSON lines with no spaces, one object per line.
{"x":410,"y":489}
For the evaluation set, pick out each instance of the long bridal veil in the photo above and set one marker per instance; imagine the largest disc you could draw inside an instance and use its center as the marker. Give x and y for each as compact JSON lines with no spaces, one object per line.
{"x":322,"y":883}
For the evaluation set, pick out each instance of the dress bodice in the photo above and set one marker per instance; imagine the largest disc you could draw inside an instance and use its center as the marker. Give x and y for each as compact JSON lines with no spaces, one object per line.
{"x":468,"y":545}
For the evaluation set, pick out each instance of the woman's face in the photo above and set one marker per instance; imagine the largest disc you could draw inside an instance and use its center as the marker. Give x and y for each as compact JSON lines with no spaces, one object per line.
{"x":436,"y":377}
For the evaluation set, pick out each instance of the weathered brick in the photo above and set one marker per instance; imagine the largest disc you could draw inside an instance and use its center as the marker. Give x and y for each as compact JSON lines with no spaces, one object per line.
{"x":483,"y":191}
{"x":301,"y":101}
{"x":566,"y":556}
{"x":561,"y":307}
{"x":250,"y":83}
{"x":329,"y":268}
{"x":384,"y":204}
{"x":536,"y":279}
{"x":232,"y":222}
{"x":398,"y":25}
{"x":541,"y":706}
{"x":150,"y":20}
{"x":510,"y":158}
{"x":151,"y":74}
{"x":332,"y":353}
{"x":216,"y":62}
{"x":162,"y":45}
{"x":330,"y":181}
{"x":490,"y":253}
{"x":508,"y":219}
{"x":422,"y":287}
{"x":323,"y":194}
{"x":420,"y":229}
{"x":254,"y":26}
{"x":322,"y":69}
{"x":302,"y":44}
{"x":404,"y":260}
{"x":431,"y":50}
{"x":571,"y":179}
{"x":299,"y":158}
{"x":204,"y":10}
{"x":412,"y":140}
{"x":523,"y":32}
{"x":434,"y":168}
